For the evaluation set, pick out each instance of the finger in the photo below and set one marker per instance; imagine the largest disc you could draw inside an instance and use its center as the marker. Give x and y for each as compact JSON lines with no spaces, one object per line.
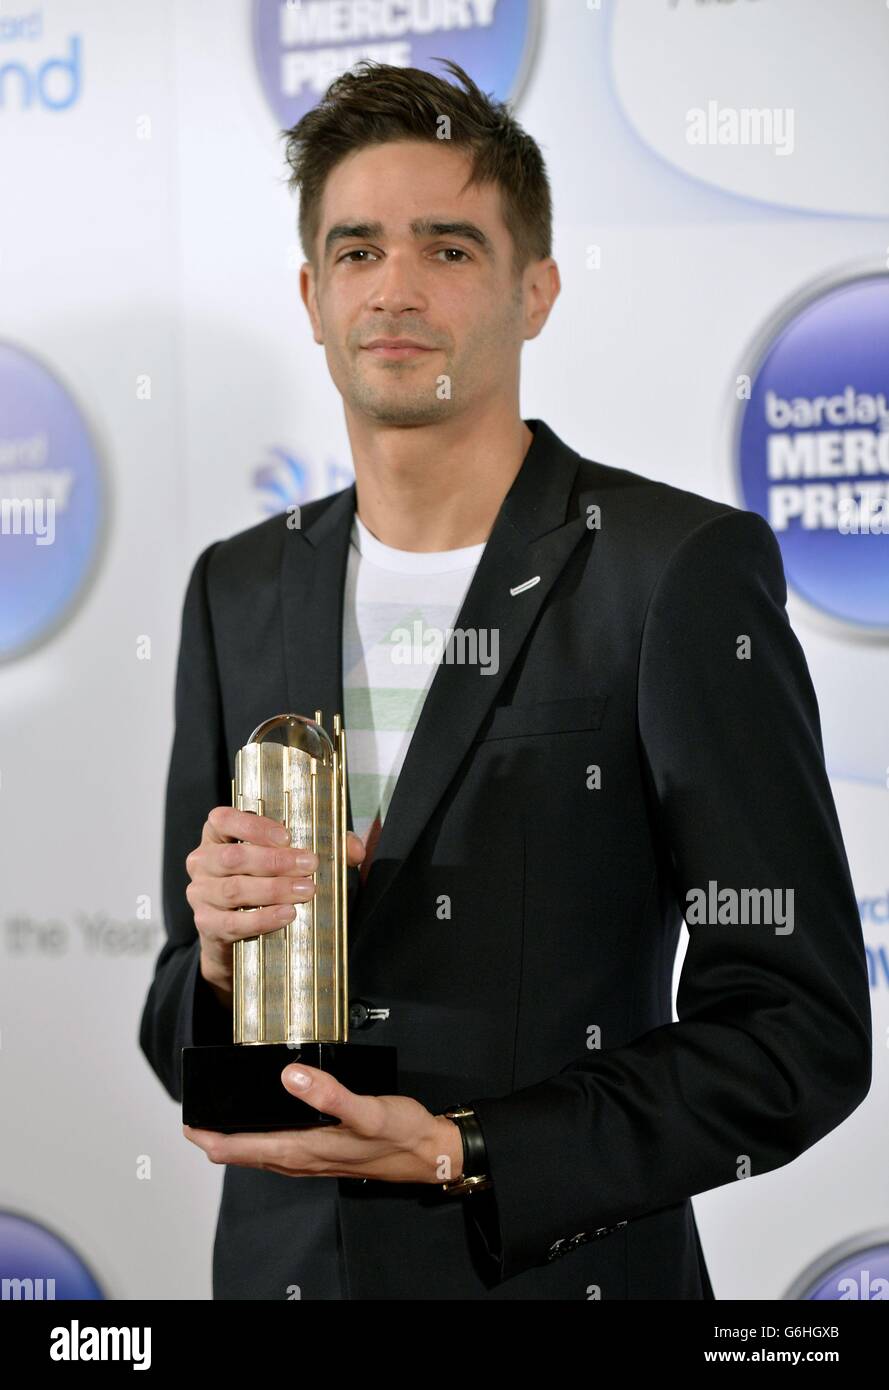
{"x":249,"y":1150}
{"x":222,"y":1148}
{"x":227,"y":823}
{"x":225,"y":928}
{"x":223,"y":859}
{"x":244,"y":890}
{"x":363,"y":1115}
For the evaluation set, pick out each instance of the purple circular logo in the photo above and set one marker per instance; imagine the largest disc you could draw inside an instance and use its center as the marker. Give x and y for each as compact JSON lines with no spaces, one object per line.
{"x":37,"y":1266}
{"x":51,"y":502}
{"x":856,"y":1271}
{"x":812,"y":449}
{"x":301,"y":47}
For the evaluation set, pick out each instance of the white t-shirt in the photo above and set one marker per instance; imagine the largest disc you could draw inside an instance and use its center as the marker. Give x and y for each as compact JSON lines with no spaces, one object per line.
{"x":392,"y":600}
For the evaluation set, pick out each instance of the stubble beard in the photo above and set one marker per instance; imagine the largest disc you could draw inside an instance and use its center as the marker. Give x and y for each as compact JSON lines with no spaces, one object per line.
{"x":396,"y":400}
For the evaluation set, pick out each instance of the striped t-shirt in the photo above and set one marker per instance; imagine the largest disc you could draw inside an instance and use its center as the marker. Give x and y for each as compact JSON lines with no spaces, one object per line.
{"x":393,"y":600}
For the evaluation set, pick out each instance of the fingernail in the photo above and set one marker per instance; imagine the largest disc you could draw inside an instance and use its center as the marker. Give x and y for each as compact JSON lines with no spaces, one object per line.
{"x":281,"y":836}
{"x":298,"y":1078}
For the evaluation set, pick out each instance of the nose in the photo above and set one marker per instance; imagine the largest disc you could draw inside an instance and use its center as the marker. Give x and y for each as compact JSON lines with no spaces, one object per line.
{"x":395,"y":286}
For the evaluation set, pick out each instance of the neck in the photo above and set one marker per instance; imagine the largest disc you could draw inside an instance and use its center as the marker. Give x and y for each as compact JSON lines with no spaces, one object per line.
{"x":435,"y":487}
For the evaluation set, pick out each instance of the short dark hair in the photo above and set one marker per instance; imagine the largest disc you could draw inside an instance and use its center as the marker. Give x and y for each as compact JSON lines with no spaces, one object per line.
{"x":375,"y":103}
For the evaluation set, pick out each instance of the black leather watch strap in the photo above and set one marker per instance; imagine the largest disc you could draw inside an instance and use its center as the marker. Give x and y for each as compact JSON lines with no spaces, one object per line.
{"x":475,"y":1155}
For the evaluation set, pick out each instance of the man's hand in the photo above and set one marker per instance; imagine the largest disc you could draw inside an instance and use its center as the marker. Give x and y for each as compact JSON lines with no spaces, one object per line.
{"x":387,"y":1138}
{"x":263,"y":872}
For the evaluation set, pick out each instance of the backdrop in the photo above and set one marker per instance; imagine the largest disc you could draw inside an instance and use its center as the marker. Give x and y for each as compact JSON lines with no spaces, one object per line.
{"x":720,"y":177}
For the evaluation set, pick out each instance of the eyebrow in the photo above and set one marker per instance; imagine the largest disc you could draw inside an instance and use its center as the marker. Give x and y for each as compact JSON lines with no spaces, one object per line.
{"x":420,"y":227}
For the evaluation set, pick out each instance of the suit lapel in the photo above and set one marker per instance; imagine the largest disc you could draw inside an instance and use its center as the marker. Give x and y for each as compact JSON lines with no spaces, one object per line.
{"x":536,"y":530}
{"x":313,"y":580}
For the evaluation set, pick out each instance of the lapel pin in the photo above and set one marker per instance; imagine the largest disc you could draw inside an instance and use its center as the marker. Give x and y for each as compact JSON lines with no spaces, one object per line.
{"x":528,"y":584}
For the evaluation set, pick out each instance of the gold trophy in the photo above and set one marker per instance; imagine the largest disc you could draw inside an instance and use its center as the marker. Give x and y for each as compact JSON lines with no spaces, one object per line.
{"x":291,"y":1000}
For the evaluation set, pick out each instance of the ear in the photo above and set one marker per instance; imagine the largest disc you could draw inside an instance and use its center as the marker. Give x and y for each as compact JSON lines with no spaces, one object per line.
{"x":308,"y":291}
{"x":542,"y":286}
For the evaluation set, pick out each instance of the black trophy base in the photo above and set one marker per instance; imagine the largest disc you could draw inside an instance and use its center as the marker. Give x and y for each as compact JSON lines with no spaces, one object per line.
{"x":237,"y":1087}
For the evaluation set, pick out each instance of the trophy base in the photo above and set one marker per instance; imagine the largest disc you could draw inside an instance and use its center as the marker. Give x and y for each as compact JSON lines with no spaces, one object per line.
{"x":237,"y":1087}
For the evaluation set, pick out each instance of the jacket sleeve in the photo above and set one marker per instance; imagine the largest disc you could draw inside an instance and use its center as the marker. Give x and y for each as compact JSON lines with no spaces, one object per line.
{"x":181,"y":1008}
{"x":772,"y":1049}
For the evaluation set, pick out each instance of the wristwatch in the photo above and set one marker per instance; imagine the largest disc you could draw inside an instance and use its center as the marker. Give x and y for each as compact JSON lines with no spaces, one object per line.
{"x":475,"y":1158}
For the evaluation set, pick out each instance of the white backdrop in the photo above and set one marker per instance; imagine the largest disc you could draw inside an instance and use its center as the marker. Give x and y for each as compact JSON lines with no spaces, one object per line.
{"x":149,"y":270}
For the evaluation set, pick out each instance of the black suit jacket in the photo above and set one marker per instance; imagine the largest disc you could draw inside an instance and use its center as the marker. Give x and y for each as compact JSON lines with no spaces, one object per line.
{"x":544,"y":997}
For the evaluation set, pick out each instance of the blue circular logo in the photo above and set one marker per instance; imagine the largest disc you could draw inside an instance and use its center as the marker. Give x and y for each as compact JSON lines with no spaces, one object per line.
{"x":300,"y":47}
{"x":286,"y":480}
{"x":812,"y":449}
{"x":51,"y":502}
{"x":856,"y":1271}
{"x":37,"y":1265}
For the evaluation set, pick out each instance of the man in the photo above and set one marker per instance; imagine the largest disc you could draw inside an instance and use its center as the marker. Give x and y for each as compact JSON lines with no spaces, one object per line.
{"x":631,"y":735}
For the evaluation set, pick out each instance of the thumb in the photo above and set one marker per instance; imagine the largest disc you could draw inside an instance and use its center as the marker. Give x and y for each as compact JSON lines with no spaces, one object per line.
{"x":322,"y":1091}
{"x":355,"y":849}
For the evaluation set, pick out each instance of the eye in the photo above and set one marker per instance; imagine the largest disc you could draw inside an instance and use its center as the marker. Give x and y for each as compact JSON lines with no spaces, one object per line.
{"x":359,"y":251}
{"x":459,"y":250}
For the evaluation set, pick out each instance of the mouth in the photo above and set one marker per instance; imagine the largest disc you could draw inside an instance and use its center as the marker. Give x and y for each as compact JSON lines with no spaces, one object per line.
{"x":397,"y":352}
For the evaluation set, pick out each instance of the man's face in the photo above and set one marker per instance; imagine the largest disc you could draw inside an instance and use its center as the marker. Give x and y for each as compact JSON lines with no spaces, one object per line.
{"x":453,"y":291}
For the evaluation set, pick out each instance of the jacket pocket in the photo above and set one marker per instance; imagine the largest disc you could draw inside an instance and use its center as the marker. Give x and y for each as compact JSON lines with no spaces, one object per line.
{"x":544,"y":717}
